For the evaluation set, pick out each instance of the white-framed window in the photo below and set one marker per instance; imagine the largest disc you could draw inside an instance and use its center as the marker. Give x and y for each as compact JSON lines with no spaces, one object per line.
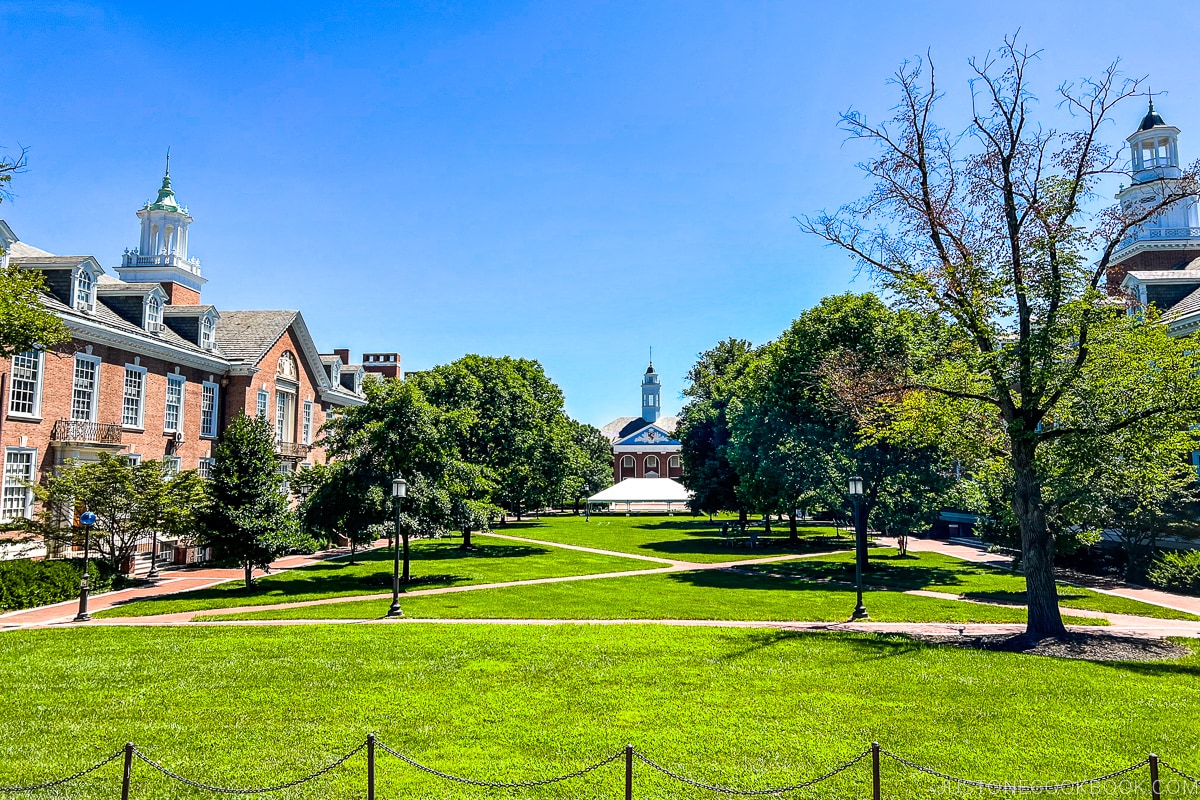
{"x":651,"y":465}
{"x":154,"y":312}
{"x":335,"y":372}
{"x":19,"y":466}
{"x":84,"y":386}
{"x":264,"y":400}
{"x":208,"y":409}
{"x":207,"y":332}
{"x":285,"y":416}
{"x":173,"y":413}
{"x":133,"y":458}
{"x":85,"y":290}
{"x":171,"y":465}
{"x":25,"y":397}
{"x":133,"y":404}
{"x":308,"y":422}
{"x":204,"y":467}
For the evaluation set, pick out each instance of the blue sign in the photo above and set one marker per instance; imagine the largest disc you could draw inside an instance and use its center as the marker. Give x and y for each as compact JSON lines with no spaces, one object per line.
{"x":88,"y":518}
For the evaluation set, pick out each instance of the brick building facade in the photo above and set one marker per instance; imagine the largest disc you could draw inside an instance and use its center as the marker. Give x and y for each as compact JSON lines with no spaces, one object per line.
{"x":645,"y":446}
{"x":151,"y":372}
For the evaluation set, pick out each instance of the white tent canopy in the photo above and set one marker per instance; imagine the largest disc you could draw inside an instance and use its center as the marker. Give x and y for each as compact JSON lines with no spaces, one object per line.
{"x":643,"y":490}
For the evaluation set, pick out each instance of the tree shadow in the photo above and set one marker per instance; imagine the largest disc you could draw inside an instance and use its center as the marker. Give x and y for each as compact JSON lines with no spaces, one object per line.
{"x":869,"y":646}
{"x":893,"y":572}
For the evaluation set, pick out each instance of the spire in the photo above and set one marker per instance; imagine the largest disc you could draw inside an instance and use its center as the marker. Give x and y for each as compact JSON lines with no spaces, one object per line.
{"x":166,"y":195}
{"x":1152,"y":118}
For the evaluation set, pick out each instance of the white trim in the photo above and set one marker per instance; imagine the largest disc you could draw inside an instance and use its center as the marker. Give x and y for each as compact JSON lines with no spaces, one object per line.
{"x":33,"y":464}
{"x":182,"y":380}
{"x":216,"y":409}
{"x":647,"y":448}
{"x":141,"y":417}
{"x":95,"y":402}
{"x":37,"y":387}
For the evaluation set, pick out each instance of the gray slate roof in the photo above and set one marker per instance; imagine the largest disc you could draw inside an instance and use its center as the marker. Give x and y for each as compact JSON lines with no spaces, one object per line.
{"x":1188,"y":305}
{"x":246,"y":336}
{"x":103,"y":314}
{"x":1166,"y":274}
{"x":621,"y":427}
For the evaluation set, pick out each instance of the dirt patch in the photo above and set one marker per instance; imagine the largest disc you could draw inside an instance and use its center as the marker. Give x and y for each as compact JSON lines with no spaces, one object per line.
{"x":1084,"y":646}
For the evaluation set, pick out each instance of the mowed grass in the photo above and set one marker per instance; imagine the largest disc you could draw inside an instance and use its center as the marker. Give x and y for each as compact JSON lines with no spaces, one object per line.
{"x":940,"y":573}
{"x":808,"y":590}
{"x":681,"y":538}
{"x":249,"y":707}
{"x":435,"y":562}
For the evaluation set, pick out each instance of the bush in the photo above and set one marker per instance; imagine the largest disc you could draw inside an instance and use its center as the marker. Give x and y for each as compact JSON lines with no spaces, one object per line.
{"x":25,"y":583}
{"x":1176,"y":572}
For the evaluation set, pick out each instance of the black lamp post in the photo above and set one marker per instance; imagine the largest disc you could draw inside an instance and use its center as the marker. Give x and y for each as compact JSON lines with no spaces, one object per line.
{"x":399,"y":492}
{"x":587,"y":504}
{"x":860,"y":544}
{"x":87,"y":519}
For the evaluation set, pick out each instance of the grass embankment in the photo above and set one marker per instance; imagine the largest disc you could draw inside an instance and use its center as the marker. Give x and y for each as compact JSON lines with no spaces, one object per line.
{"x":756,"y":709}
{"x":435,"y":562}
{"x":681,"y":538}
{"x":808,"y":590}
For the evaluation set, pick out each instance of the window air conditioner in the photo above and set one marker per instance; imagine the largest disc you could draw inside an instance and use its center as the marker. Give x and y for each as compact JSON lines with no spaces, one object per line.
{"x":178,"y":437}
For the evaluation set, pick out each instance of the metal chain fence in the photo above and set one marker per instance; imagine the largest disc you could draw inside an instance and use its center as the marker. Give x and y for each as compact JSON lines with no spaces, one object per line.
{"x":629,"y":753}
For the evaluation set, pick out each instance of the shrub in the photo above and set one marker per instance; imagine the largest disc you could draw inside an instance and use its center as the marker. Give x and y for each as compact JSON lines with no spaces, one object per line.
{"x":1177,"y":572}
{"x":25,"y":583}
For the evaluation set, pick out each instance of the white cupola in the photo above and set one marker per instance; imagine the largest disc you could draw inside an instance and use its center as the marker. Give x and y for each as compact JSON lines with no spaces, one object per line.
{"x":162,"y":253}
{"x":1154,"y":168}
{"x":651,"y":389}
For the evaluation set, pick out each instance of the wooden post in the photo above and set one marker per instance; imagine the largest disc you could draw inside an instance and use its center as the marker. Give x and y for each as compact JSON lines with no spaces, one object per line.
{"x":128,"y":771}
{"x":628,"y":772}
{"x":875,"y":770}
{"x":1155,"y":787}
{"x":370,"y":766}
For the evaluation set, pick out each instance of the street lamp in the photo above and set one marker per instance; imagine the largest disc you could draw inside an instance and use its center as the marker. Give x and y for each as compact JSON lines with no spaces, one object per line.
{"x":399,"y":492}
{"x":857,"y":491}
{"x":87,"y":519}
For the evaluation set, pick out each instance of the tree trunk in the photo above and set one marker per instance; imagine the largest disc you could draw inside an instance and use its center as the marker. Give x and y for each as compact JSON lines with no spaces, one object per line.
{"x":404,"y":574}
{"x":793,"y":531}
{"x":518,"y":511}
{"x":742,"y":517}
{"x":766,"y":524}
{"x":466,"y":545}
{"x":249,"y":574}
{"x":1037,"y":545}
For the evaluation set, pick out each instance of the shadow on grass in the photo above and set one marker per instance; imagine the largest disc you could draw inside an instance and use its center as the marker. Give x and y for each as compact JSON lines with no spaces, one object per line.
{"x":894,"y":572}
{"x":868,"y":646}
{"x":1018,"y":598}
{"x":371,"y":572}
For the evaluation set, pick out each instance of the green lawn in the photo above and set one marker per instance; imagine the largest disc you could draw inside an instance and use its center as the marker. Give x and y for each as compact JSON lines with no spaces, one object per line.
{"x":436,"y":562}
{"x":682,"y":538}
{"x":939,"y":573}
{"x":246,"y":707}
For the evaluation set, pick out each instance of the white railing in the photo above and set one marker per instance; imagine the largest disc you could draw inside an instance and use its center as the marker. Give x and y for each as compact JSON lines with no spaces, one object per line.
{"x":1143,"y":234}
{"x":132,"y":258}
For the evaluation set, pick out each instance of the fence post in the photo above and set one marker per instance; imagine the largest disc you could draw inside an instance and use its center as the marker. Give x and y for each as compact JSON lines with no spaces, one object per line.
{"x":875,"y":770}
{"x":370,"y":766}
{"x":628,"y":772}
{"x":128,"y":771}
{"x":1155,"y":788}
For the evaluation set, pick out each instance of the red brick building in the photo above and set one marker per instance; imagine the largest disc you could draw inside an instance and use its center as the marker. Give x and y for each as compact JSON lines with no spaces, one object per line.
{"x":645,"y":446}
{"x":151,"y":372}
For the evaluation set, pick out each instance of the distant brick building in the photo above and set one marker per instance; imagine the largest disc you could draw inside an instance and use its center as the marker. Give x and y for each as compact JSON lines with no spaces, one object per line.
{"x":645,"y":446}
{"x":151,"y":372}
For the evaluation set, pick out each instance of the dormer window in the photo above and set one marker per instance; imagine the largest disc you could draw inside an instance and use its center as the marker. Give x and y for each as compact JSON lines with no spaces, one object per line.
{"x":154,"y":313}
{"x":207,"y":332}
{"x":358,"y":379}
{"x":335,"y":372}
{"x":85,"y":291}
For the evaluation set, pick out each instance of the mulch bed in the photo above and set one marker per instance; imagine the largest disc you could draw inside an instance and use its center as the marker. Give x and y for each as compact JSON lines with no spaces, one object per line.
{"x":1084,"y":646}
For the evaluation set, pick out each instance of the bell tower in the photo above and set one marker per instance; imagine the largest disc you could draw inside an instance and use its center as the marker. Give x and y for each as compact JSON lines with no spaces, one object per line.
{"x":651,"y":389}
{"x":162,"y":253}
{"x":1171,"y":239}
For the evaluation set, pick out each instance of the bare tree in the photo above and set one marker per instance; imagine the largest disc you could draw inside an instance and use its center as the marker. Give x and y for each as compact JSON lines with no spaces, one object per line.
{"x":991,"y":230}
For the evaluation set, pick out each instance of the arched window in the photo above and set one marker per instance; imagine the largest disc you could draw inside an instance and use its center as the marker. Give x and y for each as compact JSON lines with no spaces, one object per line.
{"x":85,"y":288}
{"x":207,"y":332}
{"x":674,"y":467}
{"x":153,"y":312}
{"x":651,"y":470}
{"x":287,"y":366}
{"x":628,"y":468}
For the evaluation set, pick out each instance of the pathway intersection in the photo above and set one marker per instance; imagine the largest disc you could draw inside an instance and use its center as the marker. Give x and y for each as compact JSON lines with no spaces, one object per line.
{"x":61,"y":615}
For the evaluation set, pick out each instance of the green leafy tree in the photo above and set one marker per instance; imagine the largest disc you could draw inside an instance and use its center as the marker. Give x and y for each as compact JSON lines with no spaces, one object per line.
{"x":130,"y":501}
{"x":993,"y":231}
{"x":703,"y":429}
{"x":248,"y":518}
{"x":589,"y":463}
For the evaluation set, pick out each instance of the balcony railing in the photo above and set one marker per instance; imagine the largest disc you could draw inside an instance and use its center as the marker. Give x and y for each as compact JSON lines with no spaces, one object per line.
{"x":74,"y":430}
{"x":132,"y":258}
{"x":1144,"y":234}
{"x":292,"y":449}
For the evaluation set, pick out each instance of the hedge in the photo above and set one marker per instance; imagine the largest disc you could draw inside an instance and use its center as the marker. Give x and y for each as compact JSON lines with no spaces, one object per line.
{"x":1176,"y":572}
{"x":25,"y":583}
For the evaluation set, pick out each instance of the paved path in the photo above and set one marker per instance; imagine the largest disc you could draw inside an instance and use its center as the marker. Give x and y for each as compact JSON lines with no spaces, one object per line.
{"x":170,"y":581}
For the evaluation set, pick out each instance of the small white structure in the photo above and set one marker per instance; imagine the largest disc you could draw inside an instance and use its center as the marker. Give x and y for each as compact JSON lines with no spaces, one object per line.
{"x":651,"y":494}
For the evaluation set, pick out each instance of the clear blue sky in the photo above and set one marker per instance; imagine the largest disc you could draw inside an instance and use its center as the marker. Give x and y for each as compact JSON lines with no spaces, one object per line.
{"x":568,"y":181}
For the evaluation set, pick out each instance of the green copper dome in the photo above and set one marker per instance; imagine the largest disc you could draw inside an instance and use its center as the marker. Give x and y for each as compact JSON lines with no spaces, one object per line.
{"x":166,"y":196}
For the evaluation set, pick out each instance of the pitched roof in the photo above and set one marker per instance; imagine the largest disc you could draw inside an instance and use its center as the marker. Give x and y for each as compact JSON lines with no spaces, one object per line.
{"x":19,"y":250}
{"x":621,"y":427}
{"x":643,"y":490}
{"x":188,"y":311}
{"x":246,"y":336}
{"x":1188,"y":305}
{"x":110,"y":319}
{"x":1165,"y":274}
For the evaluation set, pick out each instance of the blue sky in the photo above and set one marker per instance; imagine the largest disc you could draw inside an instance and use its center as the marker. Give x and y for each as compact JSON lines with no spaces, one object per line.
{"x":572,"y":182}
